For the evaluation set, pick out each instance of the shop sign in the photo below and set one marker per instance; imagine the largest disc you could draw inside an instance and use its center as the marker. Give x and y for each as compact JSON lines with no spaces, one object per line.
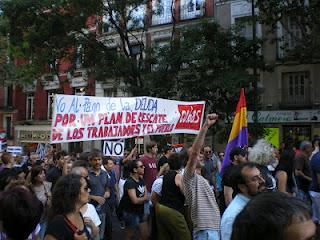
{"x":35,"y":136}
{"x":294,"y":116}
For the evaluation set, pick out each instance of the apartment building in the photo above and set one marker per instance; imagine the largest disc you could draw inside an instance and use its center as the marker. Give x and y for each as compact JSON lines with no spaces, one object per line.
{"x":291,"y":91}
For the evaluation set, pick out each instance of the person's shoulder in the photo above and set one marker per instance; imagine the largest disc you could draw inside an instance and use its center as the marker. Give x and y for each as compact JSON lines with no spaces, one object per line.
{"x":315,"y":160}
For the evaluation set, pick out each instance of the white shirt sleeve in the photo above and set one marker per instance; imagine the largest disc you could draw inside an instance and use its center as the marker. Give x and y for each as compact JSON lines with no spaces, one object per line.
{"x":92,"y":213}
{"x":157,"y":186}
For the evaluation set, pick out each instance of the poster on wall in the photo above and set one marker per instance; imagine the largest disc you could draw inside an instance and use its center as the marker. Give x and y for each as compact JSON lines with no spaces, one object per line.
{"x":272,"y":136}
{"x":87,"y":118}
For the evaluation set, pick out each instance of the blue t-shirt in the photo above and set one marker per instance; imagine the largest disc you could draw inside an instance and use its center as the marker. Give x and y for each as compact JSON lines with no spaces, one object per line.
{"x":99,"y":184}
{"x":315,"y":169}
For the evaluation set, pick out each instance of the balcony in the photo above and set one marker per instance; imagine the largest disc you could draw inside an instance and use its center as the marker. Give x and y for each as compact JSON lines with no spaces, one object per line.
{"x":295,"y":98}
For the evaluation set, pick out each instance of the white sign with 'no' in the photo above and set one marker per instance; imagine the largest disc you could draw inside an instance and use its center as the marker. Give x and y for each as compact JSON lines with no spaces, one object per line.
{"x":113,"y":148}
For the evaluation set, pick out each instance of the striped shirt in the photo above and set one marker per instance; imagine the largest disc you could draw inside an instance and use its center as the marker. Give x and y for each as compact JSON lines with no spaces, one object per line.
{"x":199,"y":195}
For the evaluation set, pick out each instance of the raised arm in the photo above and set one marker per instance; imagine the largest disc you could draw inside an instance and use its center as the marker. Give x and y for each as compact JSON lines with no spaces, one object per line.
{"x":198,"y":142}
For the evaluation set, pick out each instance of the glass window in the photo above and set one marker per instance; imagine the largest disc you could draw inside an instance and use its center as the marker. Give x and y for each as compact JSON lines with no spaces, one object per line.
{"x":30,"y":107}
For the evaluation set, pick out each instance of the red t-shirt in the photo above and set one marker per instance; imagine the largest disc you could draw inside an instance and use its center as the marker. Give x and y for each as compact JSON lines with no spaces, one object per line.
{"x":150,"y":171}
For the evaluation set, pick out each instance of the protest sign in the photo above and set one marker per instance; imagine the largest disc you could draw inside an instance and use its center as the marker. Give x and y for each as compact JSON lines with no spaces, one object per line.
{"x":113,"y":148}
{"x":86,"y":118}
{"x":15,"y":150}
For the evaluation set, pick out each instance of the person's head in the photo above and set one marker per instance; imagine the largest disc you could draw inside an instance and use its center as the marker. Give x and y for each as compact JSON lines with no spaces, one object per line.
{"x":174,"y":161}
{"x":167,"y":150}
{"x":200,"y":167}
{"x":34,"y":157}
{"x":315,"y":142}
{"x":238,"y":155}
{"x":95,"y":159}
{"x":136,"y":167}
{"x":108,"y":163}
{"x":6,"y":158}
{"x":286,"y":159}
{"x":80,"y":163}
{"x":246,"y":179}
{"x":261,"y":153}
{"x":60,"y":157}
{"x":207,"y":152}
{"x":306,"y":148}
{"x":152,"y":148}
{"x":37,"y":175}
{"x":84,"y":156}
{"x":276,"y":216}
{"x":18,"y":159}
{"x":221,"y":156}
{"x":81,"y":171}
{"x":20,"y":212}
{"x":69,"y":193}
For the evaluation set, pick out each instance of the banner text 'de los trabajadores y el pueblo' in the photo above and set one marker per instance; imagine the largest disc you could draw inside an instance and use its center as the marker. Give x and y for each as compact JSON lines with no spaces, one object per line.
{"x":86,"y":118}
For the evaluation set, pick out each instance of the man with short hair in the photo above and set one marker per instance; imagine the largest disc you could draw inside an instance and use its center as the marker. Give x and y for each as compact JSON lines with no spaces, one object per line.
{"x":150,"y":164}
{"x":100,"y":193}
{"x":59,"y":169}
{"x":237,"y":156}
{"x":302,"y":166}
{"x":247,"y":182}
{"x":199,"y":195}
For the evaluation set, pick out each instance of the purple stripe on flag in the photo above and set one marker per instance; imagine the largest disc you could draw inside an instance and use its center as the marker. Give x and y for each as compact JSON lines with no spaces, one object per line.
{"x":240,"y":141}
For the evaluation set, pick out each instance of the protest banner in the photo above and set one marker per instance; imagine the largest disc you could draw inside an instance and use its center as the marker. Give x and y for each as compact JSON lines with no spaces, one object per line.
{"x":113,"y":148}
{"x":86,"y":118}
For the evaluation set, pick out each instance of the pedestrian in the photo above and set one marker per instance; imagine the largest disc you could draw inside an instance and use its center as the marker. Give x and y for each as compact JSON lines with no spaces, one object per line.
{"x":20,"y":213}
{"x":69,"y":194}
{"x":247,"y":182}
{"x":276,"y":216}
{"x":199,"y":195}
{"x":133,"y":200}
{"x":171,"y":223}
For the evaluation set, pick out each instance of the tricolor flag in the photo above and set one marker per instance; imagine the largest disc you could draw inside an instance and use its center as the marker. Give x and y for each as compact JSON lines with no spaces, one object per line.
{"x":239,"y":133}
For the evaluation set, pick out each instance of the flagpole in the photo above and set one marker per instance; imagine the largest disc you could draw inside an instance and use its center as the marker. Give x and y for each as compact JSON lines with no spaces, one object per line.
{"x":254,"y":55}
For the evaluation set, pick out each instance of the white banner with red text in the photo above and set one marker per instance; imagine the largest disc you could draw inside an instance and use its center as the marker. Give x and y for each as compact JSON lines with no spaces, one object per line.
{"x":87,"y":118}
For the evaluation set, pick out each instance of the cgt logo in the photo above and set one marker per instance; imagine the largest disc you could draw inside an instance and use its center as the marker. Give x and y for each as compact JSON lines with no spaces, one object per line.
{"x":190,"y":116}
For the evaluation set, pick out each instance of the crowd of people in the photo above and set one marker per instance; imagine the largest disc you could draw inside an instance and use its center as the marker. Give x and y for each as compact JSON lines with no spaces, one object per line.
{"x":265,"y":193}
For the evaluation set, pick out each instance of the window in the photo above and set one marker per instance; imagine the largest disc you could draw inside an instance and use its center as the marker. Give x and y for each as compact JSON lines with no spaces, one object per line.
{"x":137,"y":55}
{"x":243,"y":27}
{"x":8,"y":96}
{"x":161,"y":11}
{"x":296,"y":88}
{"x":135,"y":16}
{"x":191,"y":8}
{"x":30,"y":109}
{"x":110,"y":92}
{"x":8,"y":127}
{"x":289,"y":35}
{"x":50,"y":104}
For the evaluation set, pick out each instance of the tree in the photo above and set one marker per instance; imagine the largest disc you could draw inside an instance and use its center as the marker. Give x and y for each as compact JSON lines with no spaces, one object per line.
{"x":204,"y":63}
{"x":300,"y":21}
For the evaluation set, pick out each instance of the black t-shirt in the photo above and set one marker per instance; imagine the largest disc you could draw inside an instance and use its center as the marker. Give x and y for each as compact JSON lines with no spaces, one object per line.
{"x":53,"y":175}
{"x":226,"y":181}
{"x":60,"y":229}
{"x":161,"y":162}
{"x":128,"y":206}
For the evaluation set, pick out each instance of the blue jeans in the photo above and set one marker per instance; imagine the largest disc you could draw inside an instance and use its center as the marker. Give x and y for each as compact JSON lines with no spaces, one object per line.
{"x":208,"y":234}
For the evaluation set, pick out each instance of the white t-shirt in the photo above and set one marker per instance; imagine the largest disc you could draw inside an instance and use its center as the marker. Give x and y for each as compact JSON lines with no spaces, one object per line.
{"x":121,"y":186}
{"x":92,"y":213}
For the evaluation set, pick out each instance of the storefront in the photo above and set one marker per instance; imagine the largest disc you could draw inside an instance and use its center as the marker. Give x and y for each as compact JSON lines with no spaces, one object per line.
{"x":297,"y":124}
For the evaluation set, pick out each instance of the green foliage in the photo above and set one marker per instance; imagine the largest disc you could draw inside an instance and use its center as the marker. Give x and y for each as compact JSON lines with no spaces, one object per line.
{"x":300,"y":20}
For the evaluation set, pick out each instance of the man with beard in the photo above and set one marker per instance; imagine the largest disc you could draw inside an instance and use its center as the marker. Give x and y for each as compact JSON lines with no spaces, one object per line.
{"x":247,"y":182}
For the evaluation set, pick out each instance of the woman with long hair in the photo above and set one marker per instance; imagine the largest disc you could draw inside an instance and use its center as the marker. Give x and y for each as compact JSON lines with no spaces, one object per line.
{"x":284,"y":171}
{"x":42,"y":190}
{"x":69,"y":194}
